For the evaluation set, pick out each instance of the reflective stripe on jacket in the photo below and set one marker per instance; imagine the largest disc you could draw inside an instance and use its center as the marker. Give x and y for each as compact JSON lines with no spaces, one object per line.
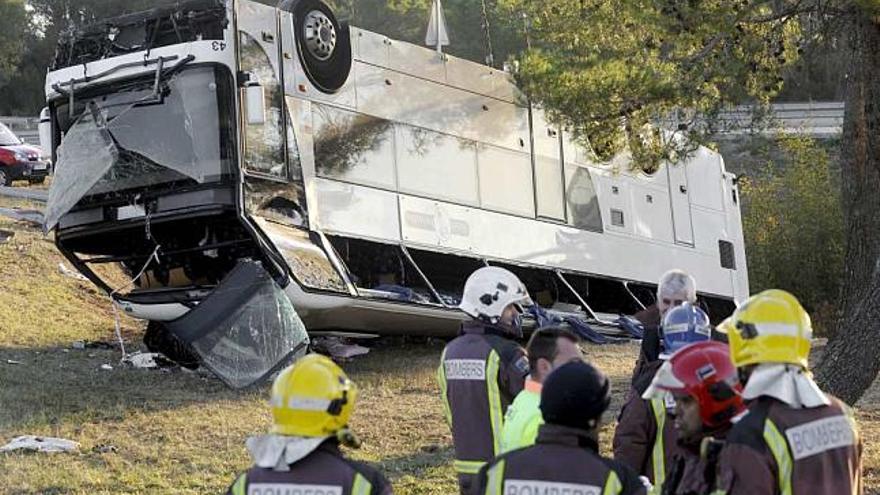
{"x":775,"y":449}
{"x":562,"y":460}
{"x":480,"y":373}
{"x":636,"y":441}
{"x":323,"y":472}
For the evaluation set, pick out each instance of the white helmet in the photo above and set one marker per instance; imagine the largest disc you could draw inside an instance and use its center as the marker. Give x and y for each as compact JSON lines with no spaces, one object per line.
{"x":491,"y":289}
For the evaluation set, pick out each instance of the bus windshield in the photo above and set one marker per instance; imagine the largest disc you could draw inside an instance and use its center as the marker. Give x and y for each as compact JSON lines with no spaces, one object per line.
{"x":140,"y":137}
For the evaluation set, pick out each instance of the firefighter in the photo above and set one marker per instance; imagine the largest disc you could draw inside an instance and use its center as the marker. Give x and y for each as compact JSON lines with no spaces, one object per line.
{"x":675,"y":287}
{"x":548,"y":349}
{"x":312,"y":401}
{"x":565,"y":457}
{"x":794,"y":438}
{"x":483,"y":369}
{"x":707,"y":394}
{"x":645,"y":437}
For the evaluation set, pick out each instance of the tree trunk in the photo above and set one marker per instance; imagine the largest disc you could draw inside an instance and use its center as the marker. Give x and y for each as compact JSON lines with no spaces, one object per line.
{"x":852,"y":358}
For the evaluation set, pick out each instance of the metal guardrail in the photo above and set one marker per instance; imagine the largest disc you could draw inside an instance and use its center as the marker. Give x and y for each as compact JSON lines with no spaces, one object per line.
{"x":813,"y":118}
{"x":40,"y":196}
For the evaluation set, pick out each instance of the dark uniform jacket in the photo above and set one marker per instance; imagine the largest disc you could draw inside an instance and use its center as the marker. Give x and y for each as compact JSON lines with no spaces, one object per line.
{"x":562,"y":460}
{"x":649,"y":351}
{"x":323,"y":472}
{"x":480,"y":373}
{"x":775,"y":449}
{"x":645,"y":438}
{"x":692,"y":472}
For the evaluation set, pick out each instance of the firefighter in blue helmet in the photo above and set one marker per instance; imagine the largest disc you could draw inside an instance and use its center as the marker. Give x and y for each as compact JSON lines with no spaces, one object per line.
{"x":645,"y":438}
{"x":483,"y":369}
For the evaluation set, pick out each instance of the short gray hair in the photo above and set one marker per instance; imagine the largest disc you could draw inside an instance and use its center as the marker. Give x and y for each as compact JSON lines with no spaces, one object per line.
{"x":675,"y":282}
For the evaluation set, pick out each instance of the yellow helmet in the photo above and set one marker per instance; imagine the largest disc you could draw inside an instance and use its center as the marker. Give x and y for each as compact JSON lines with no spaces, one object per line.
{"x":770,"y":327}
{"x":312,"y":398}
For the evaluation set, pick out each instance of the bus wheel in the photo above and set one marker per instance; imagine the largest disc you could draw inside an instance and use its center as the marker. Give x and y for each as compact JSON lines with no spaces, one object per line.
{"x":323,"y":44}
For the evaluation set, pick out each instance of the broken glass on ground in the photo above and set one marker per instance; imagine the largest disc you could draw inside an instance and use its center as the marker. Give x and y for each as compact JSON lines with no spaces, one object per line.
{"x":246,"y":329}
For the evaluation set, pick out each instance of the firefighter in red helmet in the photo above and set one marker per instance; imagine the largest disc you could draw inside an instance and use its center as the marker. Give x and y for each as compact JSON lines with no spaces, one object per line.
{"x":703,"y":381}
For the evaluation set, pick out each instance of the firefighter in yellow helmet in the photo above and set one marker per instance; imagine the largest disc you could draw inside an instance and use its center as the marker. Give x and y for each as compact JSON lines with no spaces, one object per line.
{"x":794,"y":438}
{"x":312,"y":401}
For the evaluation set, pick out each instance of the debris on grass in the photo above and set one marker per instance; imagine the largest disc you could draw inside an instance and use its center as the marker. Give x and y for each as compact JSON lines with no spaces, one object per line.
{"x":148,"y":360}
{"x":67,"y":272}
{"x":40,"y":444}
{"x":12,"y":361}
{"x":338,"y":348}
{"x":106,"y":367}
{"x":33,"y":217}
{"x":92,"y":344}
{"x":5,"y":235}
{"x":105,"y":449}
{"x":141,"y":360}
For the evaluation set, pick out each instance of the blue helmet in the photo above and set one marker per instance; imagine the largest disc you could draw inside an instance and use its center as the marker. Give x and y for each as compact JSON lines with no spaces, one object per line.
{"x":683,"y":325}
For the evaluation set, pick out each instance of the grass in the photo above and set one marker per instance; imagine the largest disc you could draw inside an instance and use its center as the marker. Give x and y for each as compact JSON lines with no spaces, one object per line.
{"x":150,"y":431}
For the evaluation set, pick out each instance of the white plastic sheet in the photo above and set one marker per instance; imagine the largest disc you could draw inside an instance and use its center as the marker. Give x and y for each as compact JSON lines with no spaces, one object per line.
{"x":40,"y":444}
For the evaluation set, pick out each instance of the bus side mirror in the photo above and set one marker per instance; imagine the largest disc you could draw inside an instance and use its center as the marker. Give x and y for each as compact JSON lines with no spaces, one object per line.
{"x":45,"y":130}
{"x":255,"y":103}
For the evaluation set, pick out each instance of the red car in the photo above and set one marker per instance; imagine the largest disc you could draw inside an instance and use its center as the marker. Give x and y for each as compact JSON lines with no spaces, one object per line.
{"x":20,"y":161}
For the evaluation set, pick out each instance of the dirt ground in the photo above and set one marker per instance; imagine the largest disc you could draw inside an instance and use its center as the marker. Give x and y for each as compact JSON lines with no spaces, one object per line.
{"x":152,"y":431}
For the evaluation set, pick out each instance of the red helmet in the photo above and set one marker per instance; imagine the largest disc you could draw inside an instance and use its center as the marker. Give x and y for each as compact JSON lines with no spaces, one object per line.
{"x":704,"y":371}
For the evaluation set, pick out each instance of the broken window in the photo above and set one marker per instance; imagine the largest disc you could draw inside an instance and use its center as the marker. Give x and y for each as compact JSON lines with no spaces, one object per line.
{"x":543,"y":284}
{"x":447,"y":272}
{"x":142,"y":136}
{"x":245,"y":329}
{"x":264,"y":143}
{"x":383,"y":271}
{"x":583,"y":204}
{"x":607,"y":297}
{"x":307,"y":261}
{"x":282,"y":202}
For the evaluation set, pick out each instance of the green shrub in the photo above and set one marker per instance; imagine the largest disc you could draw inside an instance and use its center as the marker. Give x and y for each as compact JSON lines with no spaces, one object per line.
{"x":793,"y":227}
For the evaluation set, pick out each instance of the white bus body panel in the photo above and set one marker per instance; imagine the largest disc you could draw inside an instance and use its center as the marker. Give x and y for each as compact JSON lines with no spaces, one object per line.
{"x":484,"y":203}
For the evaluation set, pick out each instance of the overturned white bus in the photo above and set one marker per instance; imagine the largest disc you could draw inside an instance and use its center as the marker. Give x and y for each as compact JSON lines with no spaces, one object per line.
{"x":216,"y":156}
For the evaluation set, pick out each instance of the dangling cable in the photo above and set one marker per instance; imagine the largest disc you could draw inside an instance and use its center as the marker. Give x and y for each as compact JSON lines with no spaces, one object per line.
{"x":154,"y":255}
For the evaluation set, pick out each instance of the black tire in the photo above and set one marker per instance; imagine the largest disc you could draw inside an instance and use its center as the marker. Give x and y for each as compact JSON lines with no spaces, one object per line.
{"x":4,"y":178}
{"x":329,"y":74}
{"x":159,"y":339}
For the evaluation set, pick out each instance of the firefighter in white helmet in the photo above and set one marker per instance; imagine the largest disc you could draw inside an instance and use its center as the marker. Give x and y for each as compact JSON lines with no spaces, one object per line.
{"x":483,"y":369}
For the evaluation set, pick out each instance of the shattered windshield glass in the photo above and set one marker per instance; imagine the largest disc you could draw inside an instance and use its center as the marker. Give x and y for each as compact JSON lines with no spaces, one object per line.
{"x":7,"y":137}
{"x":138,"y":137}
{"x":246,"y":329}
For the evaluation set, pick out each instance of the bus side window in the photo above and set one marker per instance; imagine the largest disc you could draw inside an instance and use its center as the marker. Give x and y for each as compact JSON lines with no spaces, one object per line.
{"x":583,"y":204}
{"x":264,"y":143}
